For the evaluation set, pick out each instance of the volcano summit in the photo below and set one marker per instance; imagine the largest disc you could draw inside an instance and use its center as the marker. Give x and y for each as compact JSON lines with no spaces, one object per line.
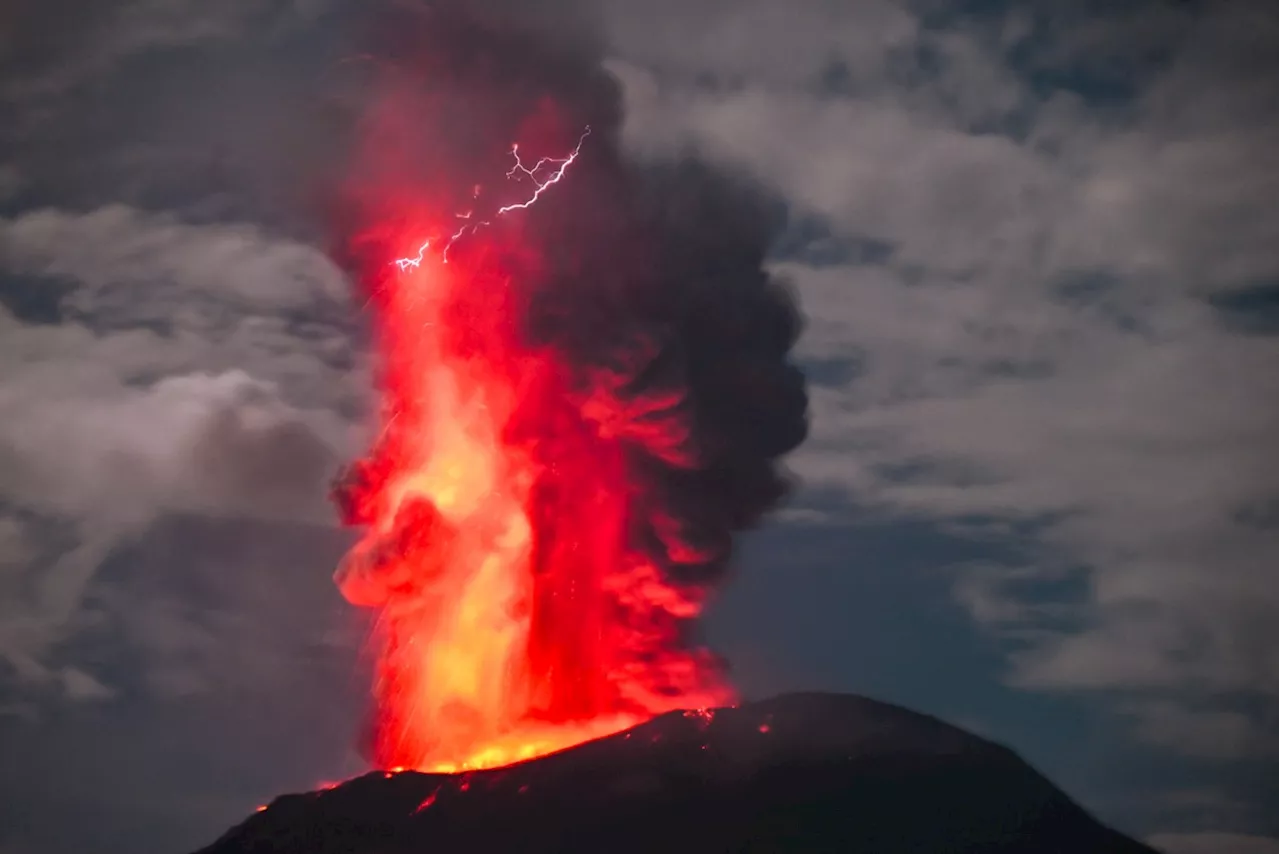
{"x":798,"y":773}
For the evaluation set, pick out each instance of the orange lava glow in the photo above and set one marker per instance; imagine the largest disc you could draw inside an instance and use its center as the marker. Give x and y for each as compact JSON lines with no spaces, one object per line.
{"x":515,"y":618}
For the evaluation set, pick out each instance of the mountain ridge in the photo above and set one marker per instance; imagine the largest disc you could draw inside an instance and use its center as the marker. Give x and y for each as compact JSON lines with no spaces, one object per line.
{"x":807,"y":772}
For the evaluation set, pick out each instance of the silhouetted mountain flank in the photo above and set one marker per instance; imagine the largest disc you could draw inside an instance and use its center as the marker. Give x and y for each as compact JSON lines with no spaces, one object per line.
{"x":800,"y":772}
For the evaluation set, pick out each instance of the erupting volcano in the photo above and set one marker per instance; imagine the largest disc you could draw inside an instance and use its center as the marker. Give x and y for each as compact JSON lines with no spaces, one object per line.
{"x":585,"y":389}
{"x":585,"y":392}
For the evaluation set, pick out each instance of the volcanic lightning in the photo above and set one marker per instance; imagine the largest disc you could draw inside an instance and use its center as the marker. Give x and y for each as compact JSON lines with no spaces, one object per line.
{"x":540,"y":185}
{"x":561,"y":166}
{"x":409,"y":263}
{"x":580,"y":405}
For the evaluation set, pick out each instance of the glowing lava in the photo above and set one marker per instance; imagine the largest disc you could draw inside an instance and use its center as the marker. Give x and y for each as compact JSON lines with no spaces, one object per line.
{"x":516,"y":614}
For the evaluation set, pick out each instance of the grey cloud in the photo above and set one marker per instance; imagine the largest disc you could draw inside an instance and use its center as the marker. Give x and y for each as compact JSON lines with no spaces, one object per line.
{"x":79,"y":685}
{"x":229,"y":606}
{"x":15,"y":547}
{"x":112,"y":467}
{"x":52,"y":47}
{"x":199,"y":368}
{"x":115,"y":251}
{"x":231,"y":112}
{"x":940,"y":196}
{"x":1208,"y":733}
{"x":10,"y":181}
{"x":236,"y":672}
{"x":1135,"y":481}
{"x":188,"y":356}
{"x":1171,"y":186}
{"x":1124,"y":420}
{"x":759,"y":42}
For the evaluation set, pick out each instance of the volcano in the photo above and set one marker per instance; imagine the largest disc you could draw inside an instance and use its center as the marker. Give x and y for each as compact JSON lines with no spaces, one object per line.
{"x":797,"y":773}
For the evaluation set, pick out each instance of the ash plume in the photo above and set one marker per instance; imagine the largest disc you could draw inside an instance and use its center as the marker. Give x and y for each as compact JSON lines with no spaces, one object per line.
{"x":639,"y":344}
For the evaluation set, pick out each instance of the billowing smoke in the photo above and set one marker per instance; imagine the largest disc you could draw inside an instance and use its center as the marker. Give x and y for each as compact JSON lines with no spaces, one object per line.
{"x":584,"y":398}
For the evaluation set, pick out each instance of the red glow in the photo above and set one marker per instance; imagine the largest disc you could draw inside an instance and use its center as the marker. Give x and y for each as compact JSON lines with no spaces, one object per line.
{"x":515,"y":617}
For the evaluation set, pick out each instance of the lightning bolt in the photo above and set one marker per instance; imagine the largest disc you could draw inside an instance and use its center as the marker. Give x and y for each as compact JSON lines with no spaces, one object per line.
{"x":518,"y":172}
{"x":561,"y":166}
{"x":407,"y":263}
{"x":465,"y":228}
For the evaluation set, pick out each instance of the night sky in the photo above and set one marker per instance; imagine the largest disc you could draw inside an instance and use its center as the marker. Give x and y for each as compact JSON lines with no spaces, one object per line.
{"x":1035,"y":247}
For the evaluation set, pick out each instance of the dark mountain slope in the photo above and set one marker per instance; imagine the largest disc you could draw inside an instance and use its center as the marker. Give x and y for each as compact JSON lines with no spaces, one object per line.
{"x":800,"y":772}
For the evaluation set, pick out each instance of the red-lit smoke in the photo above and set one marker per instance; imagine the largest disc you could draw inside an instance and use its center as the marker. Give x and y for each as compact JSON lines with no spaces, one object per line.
{"x":584,"y":390}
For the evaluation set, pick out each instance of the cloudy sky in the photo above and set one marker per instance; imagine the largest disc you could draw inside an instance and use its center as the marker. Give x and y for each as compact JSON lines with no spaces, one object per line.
{"x":1036,"y":251}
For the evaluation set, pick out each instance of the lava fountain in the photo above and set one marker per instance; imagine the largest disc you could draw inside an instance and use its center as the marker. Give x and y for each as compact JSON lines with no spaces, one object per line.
{"x":584,"y":393}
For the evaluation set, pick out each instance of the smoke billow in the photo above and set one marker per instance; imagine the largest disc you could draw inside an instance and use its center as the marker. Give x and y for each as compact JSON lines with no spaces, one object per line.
{"x":584,"y":399}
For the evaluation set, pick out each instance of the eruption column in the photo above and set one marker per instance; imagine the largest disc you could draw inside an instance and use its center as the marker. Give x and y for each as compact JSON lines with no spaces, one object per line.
{"x":584,"y":395}
{"x":514,"y":618}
